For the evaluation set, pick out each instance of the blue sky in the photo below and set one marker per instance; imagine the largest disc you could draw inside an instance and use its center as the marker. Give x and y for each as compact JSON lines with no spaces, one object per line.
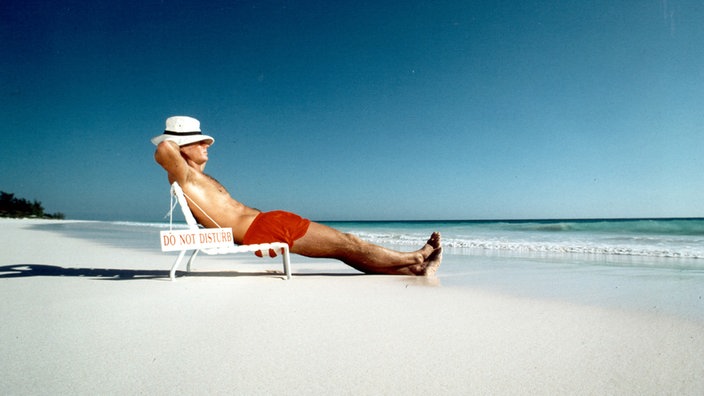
{"x":360,"y":110}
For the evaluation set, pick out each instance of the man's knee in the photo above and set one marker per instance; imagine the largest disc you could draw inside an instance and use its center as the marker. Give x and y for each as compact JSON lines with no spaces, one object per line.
{"x":351,"y":239}
{"x":353,"y":243}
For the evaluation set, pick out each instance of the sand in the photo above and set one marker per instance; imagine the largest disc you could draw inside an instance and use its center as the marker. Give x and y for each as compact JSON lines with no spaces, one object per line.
{"x":80,"y":317}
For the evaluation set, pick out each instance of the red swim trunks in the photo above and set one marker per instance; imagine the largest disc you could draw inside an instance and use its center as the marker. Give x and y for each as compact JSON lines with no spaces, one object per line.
{"x":276,"y":226}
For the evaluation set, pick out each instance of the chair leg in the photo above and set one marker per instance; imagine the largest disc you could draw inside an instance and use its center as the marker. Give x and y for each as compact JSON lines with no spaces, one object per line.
{"x":191,"y":260}
{"x":287,"y":262}
{"x":172,"y":273}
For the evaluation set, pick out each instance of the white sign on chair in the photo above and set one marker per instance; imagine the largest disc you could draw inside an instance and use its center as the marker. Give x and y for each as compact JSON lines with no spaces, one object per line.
{"x":206,"y":238}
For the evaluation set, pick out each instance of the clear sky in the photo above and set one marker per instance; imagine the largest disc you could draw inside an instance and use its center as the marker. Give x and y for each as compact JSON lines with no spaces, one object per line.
{"x":366,"y":110}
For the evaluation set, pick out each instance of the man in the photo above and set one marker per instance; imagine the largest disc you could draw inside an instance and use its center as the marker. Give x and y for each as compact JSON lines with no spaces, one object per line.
{"x":182,"y":150}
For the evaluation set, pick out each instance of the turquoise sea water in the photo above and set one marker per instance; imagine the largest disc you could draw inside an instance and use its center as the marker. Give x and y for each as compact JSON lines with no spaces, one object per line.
{"x":676,"y":243}
{"x":600,"y":238}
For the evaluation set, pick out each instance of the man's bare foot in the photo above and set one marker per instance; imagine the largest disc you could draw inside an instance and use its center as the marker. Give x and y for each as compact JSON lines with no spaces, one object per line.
{"x":430,"y":246}
{"x":434,"y":240}
{"x":432,"y":263}
{"x":433,"y":249}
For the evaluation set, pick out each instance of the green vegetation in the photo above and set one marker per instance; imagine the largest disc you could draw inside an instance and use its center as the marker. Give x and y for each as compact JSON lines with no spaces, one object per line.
{"x":20,"y":207}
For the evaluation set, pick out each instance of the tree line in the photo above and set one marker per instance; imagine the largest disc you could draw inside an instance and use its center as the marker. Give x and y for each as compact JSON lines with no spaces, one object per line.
{"x":10,"y":206}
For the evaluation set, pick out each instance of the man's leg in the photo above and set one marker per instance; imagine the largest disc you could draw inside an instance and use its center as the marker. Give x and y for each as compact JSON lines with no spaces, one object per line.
{"x":322,"y":241}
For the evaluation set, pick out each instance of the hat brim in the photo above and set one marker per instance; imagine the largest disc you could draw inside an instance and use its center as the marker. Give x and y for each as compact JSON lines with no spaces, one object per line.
{"x":181,"y":140}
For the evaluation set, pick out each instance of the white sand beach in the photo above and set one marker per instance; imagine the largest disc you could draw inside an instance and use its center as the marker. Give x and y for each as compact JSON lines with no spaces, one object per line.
{"x":80,"y":317}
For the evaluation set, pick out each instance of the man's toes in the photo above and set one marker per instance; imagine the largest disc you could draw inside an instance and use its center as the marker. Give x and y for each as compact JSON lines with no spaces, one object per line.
{"x":434,"y":240}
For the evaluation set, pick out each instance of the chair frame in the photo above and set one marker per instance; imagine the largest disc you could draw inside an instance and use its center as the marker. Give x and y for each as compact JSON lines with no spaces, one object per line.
{"x":180,"y":198}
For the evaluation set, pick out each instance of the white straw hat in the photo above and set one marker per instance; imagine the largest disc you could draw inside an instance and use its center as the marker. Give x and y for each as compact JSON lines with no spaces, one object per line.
{"x":182,"y":130}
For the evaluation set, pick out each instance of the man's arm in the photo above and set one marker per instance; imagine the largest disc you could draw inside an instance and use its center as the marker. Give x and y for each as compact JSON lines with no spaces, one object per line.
{"x":168,"y":155}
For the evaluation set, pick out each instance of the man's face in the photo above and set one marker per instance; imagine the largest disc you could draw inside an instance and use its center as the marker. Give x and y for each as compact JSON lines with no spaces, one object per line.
{"x":196,"y":152}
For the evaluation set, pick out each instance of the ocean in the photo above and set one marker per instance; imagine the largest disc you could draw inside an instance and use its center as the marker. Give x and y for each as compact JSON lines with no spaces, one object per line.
{"x":598,"y":238}
{"x":676,"y":243}
{"x":654,"y":265}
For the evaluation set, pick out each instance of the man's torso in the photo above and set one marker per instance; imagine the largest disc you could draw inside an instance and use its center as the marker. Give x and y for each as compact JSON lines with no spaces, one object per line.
{"x":222,"y":210}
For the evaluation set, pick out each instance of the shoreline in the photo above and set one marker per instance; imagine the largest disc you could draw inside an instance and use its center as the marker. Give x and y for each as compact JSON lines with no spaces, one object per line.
{"x":94,"y":318}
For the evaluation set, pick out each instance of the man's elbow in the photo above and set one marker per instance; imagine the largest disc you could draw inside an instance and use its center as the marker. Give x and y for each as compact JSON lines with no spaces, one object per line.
{"x":167,"y":145}
{"x":165,"y":150}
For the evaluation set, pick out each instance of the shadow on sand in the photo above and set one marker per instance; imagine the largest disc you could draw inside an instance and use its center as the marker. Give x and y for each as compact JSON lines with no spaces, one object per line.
{"x":29,"y":270}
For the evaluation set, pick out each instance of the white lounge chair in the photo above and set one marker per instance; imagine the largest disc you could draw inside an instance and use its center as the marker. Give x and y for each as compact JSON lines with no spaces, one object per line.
{"x":178,"y":194}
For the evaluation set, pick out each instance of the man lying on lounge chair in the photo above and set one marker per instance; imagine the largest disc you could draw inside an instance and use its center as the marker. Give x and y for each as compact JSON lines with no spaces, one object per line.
{"x":182,"y":150}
